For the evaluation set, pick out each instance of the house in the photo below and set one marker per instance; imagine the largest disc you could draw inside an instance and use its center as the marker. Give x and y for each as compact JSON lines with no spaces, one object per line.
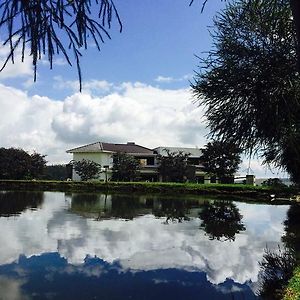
{"x":102,"y":153}
{"x":195,"y":170}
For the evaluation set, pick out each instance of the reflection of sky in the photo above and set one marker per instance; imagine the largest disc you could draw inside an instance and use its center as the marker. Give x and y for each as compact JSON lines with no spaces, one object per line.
{"x":145,"y":243}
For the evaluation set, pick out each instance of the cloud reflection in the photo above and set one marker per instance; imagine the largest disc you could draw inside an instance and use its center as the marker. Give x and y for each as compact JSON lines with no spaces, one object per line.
{"x":144,"y":243}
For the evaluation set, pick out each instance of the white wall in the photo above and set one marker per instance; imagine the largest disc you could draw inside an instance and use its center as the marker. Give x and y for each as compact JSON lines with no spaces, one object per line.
{"x":102,"y":158}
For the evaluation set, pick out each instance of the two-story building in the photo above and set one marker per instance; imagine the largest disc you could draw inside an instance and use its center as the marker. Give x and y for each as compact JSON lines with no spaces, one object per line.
{"x":102,"y":153}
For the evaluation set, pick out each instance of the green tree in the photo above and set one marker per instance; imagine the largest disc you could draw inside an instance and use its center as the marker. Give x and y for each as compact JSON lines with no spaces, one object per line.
{"x":57,"y":172}
{"x":38,"y":165}
{"x":18,"y":164}
{"x":274,"y":182}
{"x":125,"y":167}
{"x":249,"y":83}
{"x":221,"y":159}
{"x":173,"y":166}
{"x":86,"y":169}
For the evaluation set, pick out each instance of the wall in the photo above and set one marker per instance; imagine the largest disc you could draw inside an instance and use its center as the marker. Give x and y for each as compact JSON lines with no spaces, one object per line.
{"x":101,"y":158}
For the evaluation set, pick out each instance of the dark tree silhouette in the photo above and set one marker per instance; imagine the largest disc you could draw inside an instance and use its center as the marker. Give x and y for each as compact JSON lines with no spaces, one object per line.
{"x":276,"y":269}
{"x":221,"y":220}
{"x":250,"y":84}
{"x":53,"y":27}
{"x":18,"y":164}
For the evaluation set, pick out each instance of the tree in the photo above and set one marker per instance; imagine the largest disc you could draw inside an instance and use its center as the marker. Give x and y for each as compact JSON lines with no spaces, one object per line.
{"x":221,"y":220}
{"x":173,"y":166}
{"x":58,"y":172}
{"x":221,"y":159}
{"x":38,"y":165}
{"x":250,"y":84}
{"x":274,"y":182}
{"x":125,"y":167}
{"x":53,"y":27}
{"x":18,"y":164}
{"x":86,"y":169}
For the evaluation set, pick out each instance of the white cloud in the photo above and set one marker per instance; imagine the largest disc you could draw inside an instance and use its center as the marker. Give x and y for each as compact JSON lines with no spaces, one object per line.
{"x":95,"y":86}
{"x":148,"y":115}
{"x":136,"y":112}
{"x":168,"y":79}
{"x":16,"y":69}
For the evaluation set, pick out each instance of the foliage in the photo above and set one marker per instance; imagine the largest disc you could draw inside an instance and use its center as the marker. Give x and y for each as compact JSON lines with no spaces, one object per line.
{"x":173,"y":166}
{"x":274,"y":182}
{"x":292,"y":292}
{"x":53,"y":27}
{"x":276,"y":270}
{"x":221,"y":220}
{"x":57,"y":172}
{"x":86,"y":169}
{"x":249,"y":82}
{"x":125,"y":167}
{"x":18,"y":164}
{"x":291,"y":238}
{"x":38,"y":165}
{"x":221,"y":159}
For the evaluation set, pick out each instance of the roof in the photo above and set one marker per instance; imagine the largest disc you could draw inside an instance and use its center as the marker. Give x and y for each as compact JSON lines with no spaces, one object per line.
{"x":130,"y":147}
{"x":194,"y":152}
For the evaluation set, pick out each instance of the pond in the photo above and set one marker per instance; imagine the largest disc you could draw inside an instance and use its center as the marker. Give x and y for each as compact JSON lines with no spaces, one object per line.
{"x":96,"y":246}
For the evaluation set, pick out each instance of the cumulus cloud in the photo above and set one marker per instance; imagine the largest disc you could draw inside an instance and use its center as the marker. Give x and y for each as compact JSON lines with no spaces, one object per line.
{"x":16,"y":69}
{"x":137,"y":112}
{"x":148,"y":115}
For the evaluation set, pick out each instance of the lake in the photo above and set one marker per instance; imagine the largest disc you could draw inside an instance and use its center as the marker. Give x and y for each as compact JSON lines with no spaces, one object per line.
{"x":95,"y":246}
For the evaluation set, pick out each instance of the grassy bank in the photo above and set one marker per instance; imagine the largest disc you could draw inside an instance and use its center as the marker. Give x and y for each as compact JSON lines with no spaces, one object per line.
{"x":292,"y":292}
{"x":147,"y":187}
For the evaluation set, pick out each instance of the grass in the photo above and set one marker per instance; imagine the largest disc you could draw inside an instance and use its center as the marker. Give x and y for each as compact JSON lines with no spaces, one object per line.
{"x":145,"y":187}
{"x":292,"y":292}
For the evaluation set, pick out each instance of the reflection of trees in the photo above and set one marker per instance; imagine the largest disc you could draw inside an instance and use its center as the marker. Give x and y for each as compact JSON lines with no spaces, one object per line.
{"x":173,"y":209}
{"x":99,"y":206}
{"x":276,"y":269}
{"x":221,"y":220}
{"x":292,"y":229}
{"x":13,"y":203}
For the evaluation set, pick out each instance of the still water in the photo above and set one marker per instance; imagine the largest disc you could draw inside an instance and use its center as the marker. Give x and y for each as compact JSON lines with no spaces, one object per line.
{"x":96,"y":246}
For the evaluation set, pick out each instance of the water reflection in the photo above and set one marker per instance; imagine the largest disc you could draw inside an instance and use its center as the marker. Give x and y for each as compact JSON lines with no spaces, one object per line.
{"x":119,"y":247}
{"x":97,"y":279}
{"x":292,"y":226}
{"x":221,"y":220}
{"x":13,"y":203}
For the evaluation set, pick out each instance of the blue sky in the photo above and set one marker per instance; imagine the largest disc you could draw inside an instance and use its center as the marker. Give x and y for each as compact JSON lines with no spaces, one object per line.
{"x":135,"y":89}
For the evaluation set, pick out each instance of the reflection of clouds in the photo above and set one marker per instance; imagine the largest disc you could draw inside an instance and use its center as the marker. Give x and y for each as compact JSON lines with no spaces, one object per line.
{"x":144,"y":243}
{"x":10,"y":289}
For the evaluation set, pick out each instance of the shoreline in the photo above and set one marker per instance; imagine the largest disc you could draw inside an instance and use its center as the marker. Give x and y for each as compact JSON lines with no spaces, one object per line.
{"x":256,"y":193}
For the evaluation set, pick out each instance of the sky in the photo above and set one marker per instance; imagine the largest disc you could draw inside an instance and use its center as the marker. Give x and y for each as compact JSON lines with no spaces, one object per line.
{"x":137,"y":88}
